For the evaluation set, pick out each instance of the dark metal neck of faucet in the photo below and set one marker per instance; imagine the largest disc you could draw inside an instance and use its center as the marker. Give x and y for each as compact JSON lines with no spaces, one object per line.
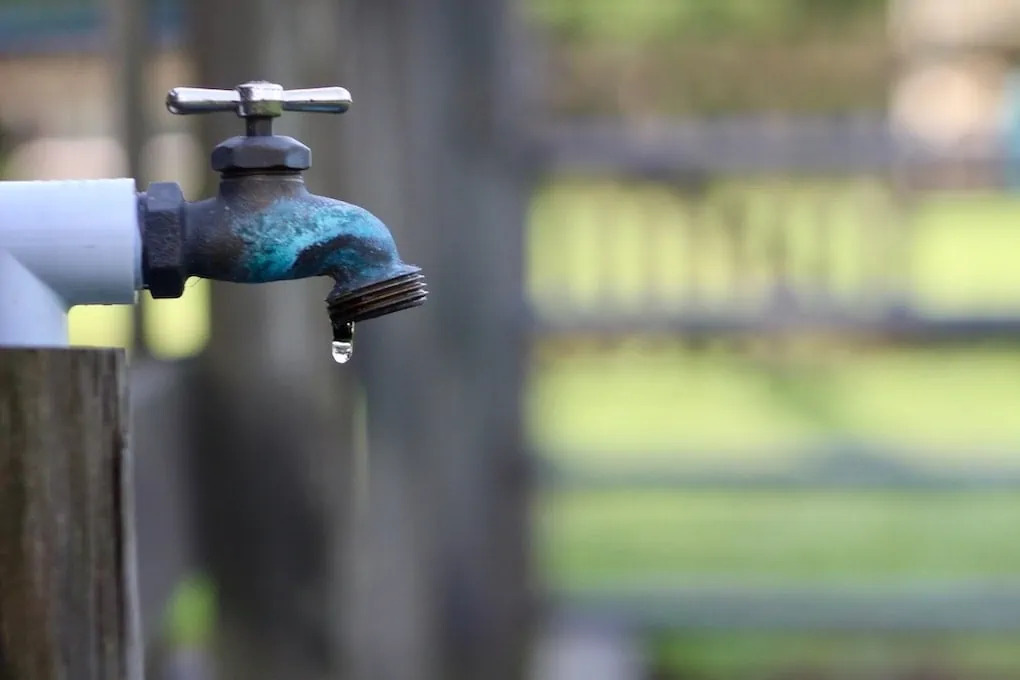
{"x":260,"y":126}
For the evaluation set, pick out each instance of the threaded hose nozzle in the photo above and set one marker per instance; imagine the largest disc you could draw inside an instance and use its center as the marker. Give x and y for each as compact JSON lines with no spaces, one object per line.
{"x":378,"y":299}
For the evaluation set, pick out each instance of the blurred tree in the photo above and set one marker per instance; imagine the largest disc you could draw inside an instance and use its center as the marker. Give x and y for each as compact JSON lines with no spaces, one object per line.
{"x":270,"y":471}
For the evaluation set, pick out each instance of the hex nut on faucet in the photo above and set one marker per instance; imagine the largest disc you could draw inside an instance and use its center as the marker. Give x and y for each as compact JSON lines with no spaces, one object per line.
{"x":163,"y":235}
{"x":274,"y":152}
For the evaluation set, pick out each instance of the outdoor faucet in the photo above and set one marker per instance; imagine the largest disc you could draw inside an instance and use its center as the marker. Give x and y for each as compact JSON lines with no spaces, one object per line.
{"x":264,"y":225}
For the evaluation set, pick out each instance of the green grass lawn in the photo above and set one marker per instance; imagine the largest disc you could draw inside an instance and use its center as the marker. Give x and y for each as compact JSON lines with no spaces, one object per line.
{"x":640,"y":404}
{"x":624,"y":538}
{"x":836,"y":657}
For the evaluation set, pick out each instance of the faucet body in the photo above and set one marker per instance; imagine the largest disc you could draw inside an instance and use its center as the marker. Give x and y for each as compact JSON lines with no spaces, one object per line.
{"x":263,"y":228}
{"x":264,"y":225}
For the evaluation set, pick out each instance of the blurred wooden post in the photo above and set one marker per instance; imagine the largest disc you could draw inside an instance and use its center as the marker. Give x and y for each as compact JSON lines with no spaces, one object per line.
{"x":435,"y":145}
{"x":130,"y":43}
{"x":270,"y":468}
{"x":130,"y":55}
{"x":67,"y":582}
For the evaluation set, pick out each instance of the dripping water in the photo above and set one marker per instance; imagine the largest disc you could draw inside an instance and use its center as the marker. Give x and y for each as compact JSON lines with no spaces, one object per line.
{"x":343,"y":342}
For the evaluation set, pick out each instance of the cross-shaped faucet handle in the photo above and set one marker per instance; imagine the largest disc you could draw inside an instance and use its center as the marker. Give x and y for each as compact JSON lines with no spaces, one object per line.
{"x":258,"y":101}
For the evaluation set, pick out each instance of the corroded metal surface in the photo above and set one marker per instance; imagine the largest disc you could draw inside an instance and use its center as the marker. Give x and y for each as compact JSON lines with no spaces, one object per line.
{"x":264,"y":228}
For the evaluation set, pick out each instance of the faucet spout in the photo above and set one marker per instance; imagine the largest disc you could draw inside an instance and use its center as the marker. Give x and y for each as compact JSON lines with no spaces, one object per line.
{"x":263,"y":228}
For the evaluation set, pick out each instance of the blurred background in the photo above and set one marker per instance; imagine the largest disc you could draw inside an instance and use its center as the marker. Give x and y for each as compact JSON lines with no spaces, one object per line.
{"x":720,"y":375}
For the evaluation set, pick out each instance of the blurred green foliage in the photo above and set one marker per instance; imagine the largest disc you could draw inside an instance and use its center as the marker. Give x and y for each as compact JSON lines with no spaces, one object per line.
{"x":657,"y":403}
{"x":646,"y":20}
{"x":191,"y":617}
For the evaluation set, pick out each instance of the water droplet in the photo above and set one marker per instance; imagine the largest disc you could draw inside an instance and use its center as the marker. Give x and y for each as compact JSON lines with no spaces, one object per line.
{"x":342,"y":351}
{"x":343,"y":342}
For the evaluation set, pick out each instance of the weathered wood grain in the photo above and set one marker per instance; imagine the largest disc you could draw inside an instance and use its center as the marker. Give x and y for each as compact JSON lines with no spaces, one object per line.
{"x":66,"y":581}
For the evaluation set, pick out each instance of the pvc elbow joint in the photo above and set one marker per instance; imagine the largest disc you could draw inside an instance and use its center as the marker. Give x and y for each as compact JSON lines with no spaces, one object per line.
{"x":64,"y":243}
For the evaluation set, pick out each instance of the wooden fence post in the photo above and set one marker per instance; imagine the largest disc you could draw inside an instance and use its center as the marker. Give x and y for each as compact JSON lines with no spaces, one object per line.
{"x":67,"y":581}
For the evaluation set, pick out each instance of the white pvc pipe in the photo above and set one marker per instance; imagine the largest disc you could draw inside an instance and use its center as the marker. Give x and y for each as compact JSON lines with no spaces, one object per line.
{"x":31,"y":314}
{"x":62,"y":244}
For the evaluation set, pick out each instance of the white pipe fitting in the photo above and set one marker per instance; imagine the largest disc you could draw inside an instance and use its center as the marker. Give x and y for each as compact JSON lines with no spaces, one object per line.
{"x":63,"y":244}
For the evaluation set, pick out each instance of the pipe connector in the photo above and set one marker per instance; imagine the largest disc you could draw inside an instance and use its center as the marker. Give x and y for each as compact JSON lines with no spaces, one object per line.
{"x":62,"y":244}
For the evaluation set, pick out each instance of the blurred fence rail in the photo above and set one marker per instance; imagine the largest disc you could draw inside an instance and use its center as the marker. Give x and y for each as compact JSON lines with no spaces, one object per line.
{"x":838,"y":145}
{"x":697,"y":75}
{"x":932,"y":607}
